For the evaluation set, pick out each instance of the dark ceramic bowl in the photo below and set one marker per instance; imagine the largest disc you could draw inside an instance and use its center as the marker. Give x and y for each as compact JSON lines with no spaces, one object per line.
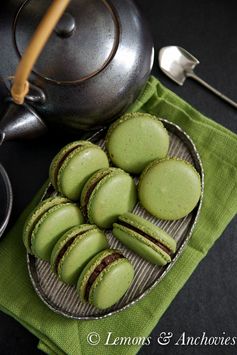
{"x":6,"y":199}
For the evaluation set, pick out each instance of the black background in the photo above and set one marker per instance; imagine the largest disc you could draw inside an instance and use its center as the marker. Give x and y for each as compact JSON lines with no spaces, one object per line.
{"x":207,"y":303}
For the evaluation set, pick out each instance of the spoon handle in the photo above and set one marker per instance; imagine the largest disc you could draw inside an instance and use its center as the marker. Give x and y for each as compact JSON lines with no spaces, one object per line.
{"x":218,"y":93}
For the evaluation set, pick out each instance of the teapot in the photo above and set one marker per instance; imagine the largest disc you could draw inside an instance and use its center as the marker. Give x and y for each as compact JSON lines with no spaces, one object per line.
{"x":73,"y":64}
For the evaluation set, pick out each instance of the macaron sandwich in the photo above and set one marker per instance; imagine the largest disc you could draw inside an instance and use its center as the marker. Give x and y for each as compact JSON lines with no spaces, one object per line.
{"x":105,"y":279}
{"x":47,"y":222}
{"x":75,"y":249}
{"x":169,"y":188}
{"x":135,"y":140}
{"x":145,"y":239}
{"x":106,"y":195}
{"x":73,"y":165}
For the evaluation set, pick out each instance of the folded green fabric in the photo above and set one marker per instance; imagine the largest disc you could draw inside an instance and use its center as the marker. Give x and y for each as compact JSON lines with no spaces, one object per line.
{"x":59,"y":335}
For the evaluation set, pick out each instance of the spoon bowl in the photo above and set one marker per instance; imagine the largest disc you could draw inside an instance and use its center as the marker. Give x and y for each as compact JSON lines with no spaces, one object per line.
{"x":176,"y":62}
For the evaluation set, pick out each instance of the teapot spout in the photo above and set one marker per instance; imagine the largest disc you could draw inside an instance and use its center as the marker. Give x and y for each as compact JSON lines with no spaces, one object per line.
{"x":21,"y":121}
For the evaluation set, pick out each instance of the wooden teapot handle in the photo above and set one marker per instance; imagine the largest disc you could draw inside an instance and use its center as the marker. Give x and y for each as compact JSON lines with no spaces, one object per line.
{"x":20,"y":86}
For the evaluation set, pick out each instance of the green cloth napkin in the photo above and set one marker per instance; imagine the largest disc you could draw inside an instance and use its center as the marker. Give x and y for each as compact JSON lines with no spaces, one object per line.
{"x":59,"y":335}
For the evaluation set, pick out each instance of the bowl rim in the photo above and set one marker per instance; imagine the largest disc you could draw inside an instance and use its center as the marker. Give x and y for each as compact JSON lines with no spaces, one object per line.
{"x":9,"y":196}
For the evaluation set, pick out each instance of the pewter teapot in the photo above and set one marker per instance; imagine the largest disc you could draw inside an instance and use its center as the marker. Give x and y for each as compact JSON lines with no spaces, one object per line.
{"x":76,"y":64}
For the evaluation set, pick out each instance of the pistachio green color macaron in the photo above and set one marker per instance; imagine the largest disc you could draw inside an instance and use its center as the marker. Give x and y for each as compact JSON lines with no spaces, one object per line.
{"x":73,"y":165}
{"x":135,"y":140}
{"x":35,"y":216}
{"x":105,"y":279}
{"x":170,"y":188}
{"x":106,"y":195}
{"x":75,"y":249}
{"x":47,"y":223}
{"x":145,"y":239}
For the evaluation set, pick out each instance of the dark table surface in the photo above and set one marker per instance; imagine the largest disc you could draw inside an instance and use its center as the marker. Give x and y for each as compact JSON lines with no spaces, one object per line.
{"x":207,"y":303}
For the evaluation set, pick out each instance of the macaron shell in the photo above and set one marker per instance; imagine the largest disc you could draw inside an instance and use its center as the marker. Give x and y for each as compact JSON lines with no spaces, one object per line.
{"x":77,"y":169}
{"x":150,"y":229}
{"x":51,"y":226}
{"x":169,"y":189}
{"x":145,"y":248}
{"x":114,"y":195}
{"x":58,"y":159}
{"x":111,"y":284}
{"x":80,"y":253}
{"x":135,"y":140}
{"x":65,"y":238}
{"x":36,"y":214}
{"x":92,"y":181}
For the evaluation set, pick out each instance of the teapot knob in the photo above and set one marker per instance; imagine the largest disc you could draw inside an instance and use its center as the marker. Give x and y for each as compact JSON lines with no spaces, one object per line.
{"x":66,"y":26}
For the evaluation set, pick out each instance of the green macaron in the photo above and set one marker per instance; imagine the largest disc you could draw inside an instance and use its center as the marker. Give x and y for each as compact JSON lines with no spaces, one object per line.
{"x":145,"y":239}
{"x":169,"y":189}
{"x":35,"y":215}
{"x":75,"y":249}
{"x":45,"y":225}
{"x":135,"y":140}
{"x":105,"y":279}
{"x":73,"y":165}
{"x":106,"y":195}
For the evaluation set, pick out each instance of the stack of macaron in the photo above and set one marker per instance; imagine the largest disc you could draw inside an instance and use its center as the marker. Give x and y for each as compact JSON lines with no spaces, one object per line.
{"x":96,"y":192}
{"x":66,"y":233}
{"x":81,"y":173}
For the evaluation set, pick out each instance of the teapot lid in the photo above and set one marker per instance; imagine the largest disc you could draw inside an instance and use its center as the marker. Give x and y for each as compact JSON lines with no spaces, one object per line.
{"x":83,"y":43}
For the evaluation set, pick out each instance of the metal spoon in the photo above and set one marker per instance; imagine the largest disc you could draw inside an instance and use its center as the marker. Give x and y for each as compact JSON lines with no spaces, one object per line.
{"x":178,"y":64}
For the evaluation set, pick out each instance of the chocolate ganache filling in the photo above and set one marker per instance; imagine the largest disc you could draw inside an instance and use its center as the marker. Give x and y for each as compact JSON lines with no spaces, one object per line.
{"x":145,"y":235}
{"x":104,"y":263}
